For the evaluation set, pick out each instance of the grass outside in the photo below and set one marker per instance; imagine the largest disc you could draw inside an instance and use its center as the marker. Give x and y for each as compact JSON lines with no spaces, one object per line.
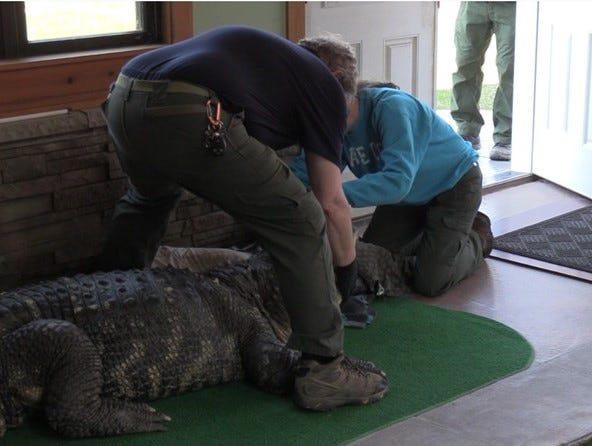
{"x":443,"y":98}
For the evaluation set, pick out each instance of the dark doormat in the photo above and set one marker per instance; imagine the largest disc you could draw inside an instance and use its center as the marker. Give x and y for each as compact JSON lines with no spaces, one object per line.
{"x":432,"y":355}
{"x":565,"y":240}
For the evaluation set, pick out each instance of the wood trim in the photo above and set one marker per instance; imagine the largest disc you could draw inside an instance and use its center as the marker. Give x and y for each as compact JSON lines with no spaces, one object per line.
{"x":177,"y":21}
{"x":78,"y":80}
{"x":295,"y":20}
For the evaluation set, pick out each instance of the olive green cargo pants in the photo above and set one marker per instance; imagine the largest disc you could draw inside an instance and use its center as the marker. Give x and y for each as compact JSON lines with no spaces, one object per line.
{"x":475,"y":24}
{"x":158,"y":129}
{"x":436,"y":239}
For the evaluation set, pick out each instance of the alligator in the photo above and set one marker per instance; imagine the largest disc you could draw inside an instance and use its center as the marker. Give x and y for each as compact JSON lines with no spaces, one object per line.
{"x":89,"y":351}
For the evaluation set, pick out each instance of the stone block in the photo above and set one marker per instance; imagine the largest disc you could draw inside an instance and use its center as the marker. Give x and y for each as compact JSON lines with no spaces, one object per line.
{"x":54,"y":143}
{"x":95,"y":118}
{"x":75,"y":178}
{"x":14,"y":210}
{"x":77,"y":250}
{"x":174,"y":229}
{"x":88,"y":195}
{"x":77,"y":163}
{"x":212,"y":220}
{"x":193,"y":210}
{"x":52,"y":217}
{"x":23,"y":168}
{"x":51,"y":183}
{"x":50,"y":237}
{"x":91,"y":146}
{"x":22,"y":189}
{"x":202,"y":238}
{"x":38,"y":127}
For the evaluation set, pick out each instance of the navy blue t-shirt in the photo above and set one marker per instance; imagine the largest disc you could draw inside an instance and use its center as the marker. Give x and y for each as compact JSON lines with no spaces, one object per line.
{"x":288,"y":94}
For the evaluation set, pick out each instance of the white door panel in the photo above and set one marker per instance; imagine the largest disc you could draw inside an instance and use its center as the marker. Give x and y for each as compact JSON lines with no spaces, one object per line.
{"x":394,"y":41}
{"x":562,"y":143}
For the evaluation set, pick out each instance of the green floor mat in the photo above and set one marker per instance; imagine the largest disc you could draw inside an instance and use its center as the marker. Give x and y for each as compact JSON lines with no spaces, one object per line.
{"x":431,"y":355}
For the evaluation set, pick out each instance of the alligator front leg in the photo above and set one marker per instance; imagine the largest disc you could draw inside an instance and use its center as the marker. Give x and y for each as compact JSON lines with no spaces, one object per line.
{"x":53,"y":362}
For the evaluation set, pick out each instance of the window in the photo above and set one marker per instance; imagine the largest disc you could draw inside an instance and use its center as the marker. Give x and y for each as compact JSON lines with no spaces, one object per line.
{"x":38,"y":27}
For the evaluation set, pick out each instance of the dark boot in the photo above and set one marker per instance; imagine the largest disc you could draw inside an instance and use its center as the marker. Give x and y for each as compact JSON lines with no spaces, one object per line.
{"x":482,"y":226}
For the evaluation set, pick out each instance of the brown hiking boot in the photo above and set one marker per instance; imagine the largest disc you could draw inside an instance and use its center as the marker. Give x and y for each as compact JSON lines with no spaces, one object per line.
{"x":482,"y":226}
{"x":337,"y":383}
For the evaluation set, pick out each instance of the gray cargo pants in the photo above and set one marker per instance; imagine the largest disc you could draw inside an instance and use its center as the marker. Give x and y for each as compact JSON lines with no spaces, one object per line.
{"x":158,"y":129}
{"x":436,"y":239}
{"x":475,"y":24}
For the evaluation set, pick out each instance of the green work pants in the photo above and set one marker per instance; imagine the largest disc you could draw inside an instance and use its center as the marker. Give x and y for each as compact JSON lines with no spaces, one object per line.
{"x":475,"y":24}
{"x":159,"y":139}
{"x":436,"y":239}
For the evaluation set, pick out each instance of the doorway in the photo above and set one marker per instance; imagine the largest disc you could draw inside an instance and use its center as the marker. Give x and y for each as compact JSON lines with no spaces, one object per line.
{"x":494,"y":172}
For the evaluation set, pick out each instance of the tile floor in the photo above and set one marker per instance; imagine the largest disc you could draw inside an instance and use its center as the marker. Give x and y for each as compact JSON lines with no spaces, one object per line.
{"x":548,"y":404}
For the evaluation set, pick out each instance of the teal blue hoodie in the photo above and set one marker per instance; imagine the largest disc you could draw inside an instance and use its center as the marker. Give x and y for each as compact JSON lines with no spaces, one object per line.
{"x":400,"y":150}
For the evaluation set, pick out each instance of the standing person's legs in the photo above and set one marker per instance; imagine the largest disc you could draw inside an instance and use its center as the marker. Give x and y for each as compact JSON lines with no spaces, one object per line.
{"x":141,"y":215}
{"x":504,"y":21}
{"x":450,"y":249}
{"x":472,"y":36}
{"x":249,"y":181}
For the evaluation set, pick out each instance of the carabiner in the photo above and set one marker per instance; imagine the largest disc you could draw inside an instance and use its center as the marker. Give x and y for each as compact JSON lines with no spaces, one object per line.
{"x":215,"y":121}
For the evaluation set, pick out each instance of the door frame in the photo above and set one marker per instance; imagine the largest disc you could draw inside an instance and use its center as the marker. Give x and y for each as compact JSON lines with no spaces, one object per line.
{"x":525,"y":65}
{"x":524,"y":75}
{"x":295,"y":20}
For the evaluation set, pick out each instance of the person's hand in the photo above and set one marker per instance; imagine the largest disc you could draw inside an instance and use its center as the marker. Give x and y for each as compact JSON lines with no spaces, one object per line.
{"x":345,"y":279}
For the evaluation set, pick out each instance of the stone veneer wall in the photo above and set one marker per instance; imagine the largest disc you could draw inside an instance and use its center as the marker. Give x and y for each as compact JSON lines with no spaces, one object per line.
{"x":59,"y":181}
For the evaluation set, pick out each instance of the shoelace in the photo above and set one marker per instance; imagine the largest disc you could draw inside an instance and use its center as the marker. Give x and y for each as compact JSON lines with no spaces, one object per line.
{"x":361,"y":367}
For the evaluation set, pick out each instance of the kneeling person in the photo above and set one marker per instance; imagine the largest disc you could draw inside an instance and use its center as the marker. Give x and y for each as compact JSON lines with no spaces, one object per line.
{"x":425,"y":181}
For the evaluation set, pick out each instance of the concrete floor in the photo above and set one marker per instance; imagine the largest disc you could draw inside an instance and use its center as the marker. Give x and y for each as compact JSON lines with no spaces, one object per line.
{"x":548,"y":404}
{"x":493,"y":171}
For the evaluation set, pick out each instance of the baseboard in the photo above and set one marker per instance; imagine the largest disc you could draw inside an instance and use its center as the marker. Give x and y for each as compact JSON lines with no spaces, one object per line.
{"x":515,"y":179}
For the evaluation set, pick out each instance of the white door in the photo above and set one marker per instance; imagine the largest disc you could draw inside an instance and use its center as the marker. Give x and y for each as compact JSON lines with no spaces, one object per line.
{"x":562,"y":137}
{"x":394,"y":41}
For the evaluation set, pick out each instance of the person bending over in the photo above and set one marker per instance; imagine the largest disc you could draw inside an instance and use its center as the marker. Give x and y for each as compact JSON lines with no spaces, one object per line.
{"x":207,"y":114}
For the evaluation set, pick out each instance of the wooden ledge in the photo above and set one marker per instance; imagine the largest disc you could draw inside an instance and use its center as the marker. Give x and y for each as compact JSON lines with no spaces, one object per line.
{"x":68,"y":82}
{"x":67,"y":58}
{"x":78,"y":80}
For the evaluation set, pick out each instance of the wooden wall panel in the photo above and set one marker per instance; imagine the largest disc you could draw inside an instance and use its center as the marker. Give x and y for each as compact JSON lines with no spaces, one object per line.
{"x":79,"y":80}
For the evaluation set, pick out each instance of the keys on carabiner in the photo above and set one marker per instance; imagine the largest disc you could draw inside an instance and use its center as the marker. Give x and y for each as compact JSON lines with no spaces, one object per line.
{"x":215,"y":133}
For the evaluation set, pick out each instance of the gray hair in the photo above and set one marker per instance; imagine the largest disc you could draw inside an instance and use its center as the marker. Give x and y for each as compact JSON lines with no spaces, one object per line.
{"x":339,"y":56}
{"x":376,"y":84}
